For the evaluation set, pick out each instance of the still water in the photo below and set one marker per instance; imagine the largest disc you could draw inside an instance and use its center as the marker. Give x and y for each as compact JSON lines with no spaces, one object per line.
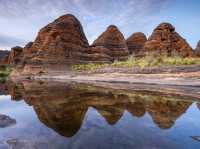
{"x":77,"y":116}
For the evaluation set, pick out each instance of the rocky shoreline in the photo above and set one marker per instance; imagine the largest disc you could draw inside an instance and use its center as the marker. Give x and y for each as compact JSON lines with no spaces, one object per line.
{"x":181,"y":82}
{"x":162,"y":84}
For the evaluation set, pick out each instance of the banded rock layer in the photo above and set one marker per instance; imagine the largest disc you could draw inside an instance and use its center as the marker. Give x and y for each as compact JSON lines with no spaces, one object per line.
{"x":165,"y":41}
{"x":16,"y":55}
{"x":197,"y":50}
{"x":113,"y":40}
{"x":4,"y":57}
{"x":60,"y":42}
{"x":136,"y":43}
{"x":58,"y":46}
{"x":63,"y":42}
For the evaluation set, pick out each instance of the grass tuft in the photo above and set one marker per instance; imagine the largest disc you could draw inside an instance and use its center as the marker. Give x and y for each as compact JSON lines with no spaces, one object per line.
{"x":88,"y":67}
{"x":144,"y":62}
{"x":4,"y":71}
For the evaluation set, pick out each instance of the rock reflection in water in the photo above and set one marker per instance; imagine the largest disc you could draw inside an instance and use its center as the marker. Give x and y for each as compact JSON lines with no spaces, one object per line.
{"x":10,"y":88}
{"x":6,"y":121}
{"x":165,"y":113}
{"x":198,"y":105}
{"x":63,"y":107}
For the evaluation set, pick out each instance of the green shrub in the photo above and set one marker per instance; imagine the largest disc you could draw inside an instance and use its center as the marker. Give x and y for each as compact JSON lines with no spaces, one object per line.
{"x":88,"y":67}
{"x":5,"y":72}
{"x":181,"y":61}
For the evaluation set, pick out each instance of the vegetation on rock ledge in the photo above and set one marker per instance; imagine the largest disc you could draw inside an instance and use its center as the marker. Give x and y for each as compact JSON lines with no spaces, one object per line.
{"x":144,"y":62}
{"x":4,"y":72}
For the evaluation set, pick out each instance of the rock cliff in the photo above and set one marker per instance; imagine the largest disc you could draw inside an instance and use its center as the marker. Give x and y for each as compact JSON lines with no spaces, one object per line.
{"x":197,"y":50}
{"x":165,"y":41}
{"x":15,"y":56}
{"x":136,"y":43}
{"x":113,"y":40}
{"x":4,"y":54}
{"x":60,"y":42}
{"x":58,"y":46}
{"x":63,"y":43}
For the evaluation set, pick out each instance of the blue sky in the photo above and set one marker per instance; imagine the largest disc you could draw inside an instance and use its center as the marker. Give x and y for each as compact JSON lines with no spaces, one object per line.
{"x":21,"y":19}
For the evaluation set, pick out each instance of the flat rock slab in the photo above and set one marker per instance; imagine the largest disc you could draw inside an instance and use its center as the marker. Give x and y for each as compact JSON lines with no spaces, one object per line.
{"x":6,"y":121}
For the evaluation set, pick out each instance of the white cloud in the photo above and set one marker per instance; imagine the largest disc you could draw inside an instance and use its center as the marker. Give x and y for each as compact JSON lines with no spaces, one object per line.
{"x":23,"y":18}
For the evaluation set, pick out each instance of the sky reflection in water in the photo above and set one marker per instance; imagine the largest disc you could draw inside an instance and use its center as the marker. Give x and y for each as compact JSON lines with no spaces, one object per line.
{"x":80,"y":116}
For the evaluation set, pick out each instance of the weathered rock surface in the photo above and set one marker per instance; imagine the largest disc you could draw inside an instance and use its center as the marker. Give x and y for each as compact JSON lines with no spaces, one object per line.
{"x":96,"y":55}
{"x":113,"y":40}
{"x":136,"y":43}
{"x":6,"y":121}
{"x":59,"y":45}
{"x":64,"y":38}
{"x":165,"y":41}
{"x":61,"y":42}
{"x":15,"y":56}
{"x":4,"y":54}
{"x":197,"y":50}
